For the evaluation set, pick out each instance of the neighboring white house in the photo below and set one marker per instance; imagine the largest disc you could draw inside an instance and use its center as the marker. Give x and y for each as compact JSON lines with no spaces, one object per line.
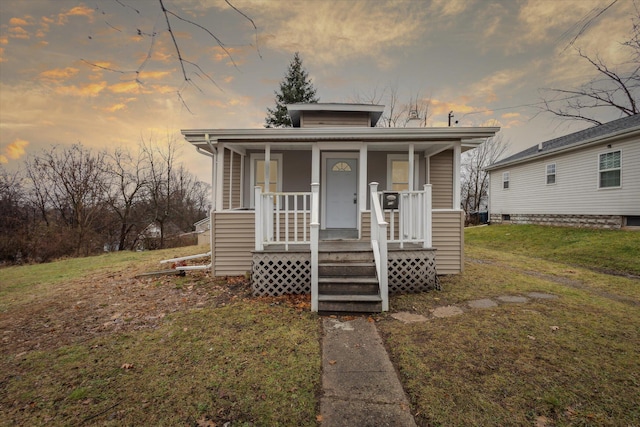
{"x":589,"y":178}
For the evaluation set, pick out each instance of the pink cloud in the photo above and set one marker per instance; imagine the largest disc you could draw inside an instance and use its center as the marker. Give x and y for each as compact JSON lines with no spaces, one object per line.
{"x":13,"y":151}
{"x":76,"y":11}
{"x":89,"y":90}
{"x":59,"y":74}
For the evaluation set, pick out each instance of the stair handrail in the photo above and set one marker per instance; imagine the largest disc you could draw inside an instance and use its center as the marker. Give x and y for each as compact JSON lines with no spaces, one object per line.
{"x":315,"y":237}
{"x":379,"y":244}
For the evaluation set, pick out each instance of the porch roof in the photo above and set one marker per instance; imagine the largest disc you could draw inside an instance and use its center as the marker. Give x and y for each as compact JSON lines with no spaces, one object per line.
{"x":378,"y":138}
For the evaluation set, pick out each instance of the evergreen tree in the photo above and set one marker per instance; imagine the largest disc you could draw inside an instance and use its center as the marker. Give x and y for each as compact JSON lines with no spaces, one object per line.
{"x":296,"y":87}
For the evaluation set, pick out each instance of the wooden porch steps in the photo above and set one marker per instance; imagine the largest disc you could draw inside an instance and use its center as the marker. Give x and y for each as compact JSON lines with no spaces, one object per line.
{"x":347,"y":281}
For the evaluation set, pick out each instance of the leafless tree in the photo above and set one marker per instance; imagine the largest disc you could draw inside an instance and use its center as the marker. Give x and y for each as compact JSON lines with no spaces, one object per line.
{"x":413,"y":112}
{"x":475,"y":180}
{"x":71,"y":181}
{"x":14,"y":216}
{"x":190,"y":198}
{"x":159,"y":183}
{"x":615,"y":87}
{"x":128,"y":174}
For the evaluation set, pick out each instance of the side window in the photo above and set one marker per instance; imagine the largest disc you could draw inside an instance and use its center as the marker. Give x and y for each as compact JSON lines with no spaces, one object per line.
{"x":273,"y":175}
{"x":398,"y":171}
{"x":505,"y":180}
{"x":609,"y":168}
{"x":399,"y":175}
{"x":551,"y":173}
{"x":257,"y":173}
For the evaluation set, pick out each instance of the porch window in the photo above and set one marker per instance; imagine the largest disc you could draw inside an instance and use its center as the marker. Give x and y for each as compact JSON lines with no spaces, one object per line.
{"x":398,"y":171}
{"x":609,"y":167}
{"x":551,"y":173}
{"x":257,"y":173}
{"x":505,"y":180}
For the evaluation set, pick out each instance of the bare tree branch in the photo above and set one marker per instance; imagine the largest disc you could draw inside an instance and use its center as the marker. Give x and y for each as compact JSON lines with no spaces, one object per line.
{"x":615,"y":87}
{"x":255,"y":28}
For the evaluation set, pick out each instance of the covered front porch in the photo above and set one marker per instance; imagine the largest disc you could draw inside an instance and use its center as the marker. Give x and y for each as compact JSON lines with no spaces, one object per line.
{"x":393,"y":253}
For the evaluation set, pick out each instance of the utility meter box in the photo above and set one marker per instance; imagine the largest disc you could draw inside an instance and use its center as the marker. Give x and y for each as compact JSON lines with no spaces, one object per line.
{"x":390,"y":200}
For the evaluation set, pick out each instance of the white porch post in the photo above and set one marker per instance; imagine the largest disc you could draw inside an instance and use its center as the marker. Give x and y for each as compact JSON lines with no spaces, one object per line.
{"x":230,"y":179}
{"x":427,"y":226}
{"x":315,"y":163}
{"x":362,"y":186}
{"x":411,"y":166}
{"x":219,"y":178}
{"x":267,"y":167}
{"x":315,"y":237}
{"x":457,"y":152}
{"x":258,"y":219}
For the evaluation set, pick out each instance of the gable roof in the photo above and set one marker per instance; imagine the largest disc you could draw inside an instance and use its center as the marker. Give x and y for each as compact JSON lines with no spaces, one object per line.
{"x":592,"y":135}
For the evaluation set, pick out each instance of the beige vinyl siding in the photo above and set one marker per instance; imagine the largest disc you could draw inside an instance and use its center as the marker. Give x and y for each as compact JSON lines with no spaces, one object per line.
{"x":575,"y":191}
{"x":302,"y":232}
{"x":311,"y":119}
{"x":441,"y":179}
{"x":365,"y":234}
{"x":233,"y":242}
{"x":448,"y":239}
{"x":235,"y":176}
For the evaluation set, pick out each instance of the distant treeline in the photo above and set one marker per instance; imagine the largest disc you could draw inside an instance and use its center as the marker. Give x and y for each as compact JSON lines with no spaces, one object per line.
{"x":74,"y":201}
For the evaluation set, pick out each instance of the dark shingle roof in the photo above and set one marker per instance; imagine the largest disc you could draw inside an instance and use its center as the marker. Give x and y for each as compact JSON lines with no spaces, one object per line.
{"x":576,"y":138}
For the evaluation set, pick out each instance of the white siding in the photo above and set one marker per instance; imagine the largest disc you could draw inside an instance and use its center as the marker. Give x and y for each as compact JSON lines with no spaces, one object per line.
{"x":576,"y":189}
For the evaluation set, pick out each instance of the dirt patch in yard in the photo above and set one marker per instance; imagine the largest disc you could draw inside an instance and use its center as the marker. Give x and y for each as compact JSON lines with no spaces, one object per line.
{"x":108,"y":303}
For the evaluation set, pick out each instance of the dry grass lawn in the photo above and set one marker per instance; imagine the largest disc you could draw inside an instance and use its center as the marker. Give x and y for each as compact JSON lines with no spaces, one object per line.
{"x":86,"y":342}
{"x":569,"y":361}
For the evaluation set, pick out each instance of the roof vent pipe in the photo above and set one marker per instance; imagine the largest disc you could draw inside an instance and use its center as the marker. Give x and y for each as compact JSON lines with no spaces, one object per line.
{"x":540,"y":146}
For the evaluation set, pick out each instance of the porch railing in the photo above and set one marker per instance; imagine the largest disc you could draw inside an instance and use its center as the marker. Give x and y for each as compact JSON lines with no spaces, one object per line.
{"x":414,"y":217}
{"x":379,"y":244}
{"x":282,"y":218}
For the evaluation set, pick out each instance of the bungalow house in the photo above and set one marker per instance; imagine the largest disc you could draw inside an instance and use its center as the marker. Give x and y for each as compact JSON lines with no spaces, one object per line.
{"x":335,"y":206}
{"x":589,"y":178}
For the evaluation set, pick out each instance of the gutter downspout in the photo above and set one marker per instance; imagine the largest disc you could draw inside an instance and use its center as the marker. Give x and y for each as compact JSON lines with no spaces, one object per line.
{"x":214,"y":163}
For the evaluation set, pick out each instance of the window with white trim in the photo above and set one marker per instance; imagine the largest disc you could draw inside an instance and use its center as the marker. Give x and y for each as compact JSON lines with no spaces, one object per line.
{"x":257,"y":173}
{"x":505,"y":180}
{"x":398,"y":171}
{"x":551,"y":173}
{"x":609,"y":168}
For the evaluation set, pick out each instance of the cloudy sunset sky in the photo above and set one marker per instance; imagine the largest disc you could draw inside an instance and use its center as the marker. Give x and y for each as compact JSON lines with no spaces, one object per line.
{"x":105,"y":72}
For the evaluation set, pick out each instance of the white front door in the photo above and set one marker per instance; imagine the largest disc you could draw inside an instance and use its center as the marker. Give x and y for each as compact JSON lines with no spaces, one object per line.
{"x":341,"y":196}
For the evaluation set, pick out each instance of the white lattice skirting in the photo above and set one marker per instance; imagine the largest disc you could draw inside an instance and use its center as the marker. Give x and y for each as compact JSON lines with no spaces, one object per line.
{"x":282,"y":273}
{"x":412,"y":271}
{"x":277,"y":274}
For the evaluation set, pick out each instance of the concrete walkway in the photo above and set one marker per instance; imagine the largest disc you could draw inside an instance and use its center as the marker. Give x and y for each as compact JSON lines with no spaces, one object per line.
{"x":360,"y":385}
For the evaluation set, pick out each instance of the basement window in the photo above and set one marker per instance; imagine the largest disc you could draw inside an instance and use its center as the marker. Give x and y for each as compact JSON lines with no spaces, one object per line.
{"x":632,"y":221}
